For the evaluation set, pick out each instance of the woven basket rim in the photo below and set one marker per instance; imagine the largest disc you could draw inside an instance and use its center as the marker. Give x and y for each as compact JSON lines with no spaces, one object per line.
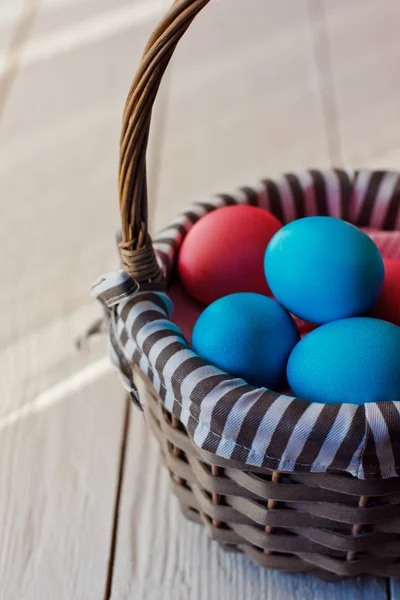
{"x":363,"y":197}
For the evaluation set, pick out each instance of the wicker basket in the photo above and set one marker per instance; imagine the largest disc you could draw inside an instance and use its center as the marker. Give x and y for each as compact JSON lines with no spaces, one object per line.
{"x":336,"y":518}
{"x":334,"y":526}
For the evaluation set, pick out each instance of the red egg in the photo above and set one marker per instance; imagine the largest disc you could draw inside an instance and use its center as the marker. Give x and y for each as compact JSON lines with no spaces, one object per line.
{"x":186,"y":310}
{"x":304,"y":327}
{"x":387,"y":306}
{"x":224,"y":251}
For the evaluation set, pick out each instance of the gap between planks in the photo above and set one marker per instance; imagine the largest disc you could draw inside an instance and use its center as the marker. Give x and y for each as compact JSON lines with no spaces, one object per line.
{"x":117,"y":503}
{"x":12,"y":57}
{"x":325,"y":80}
{"x":155,"y":153}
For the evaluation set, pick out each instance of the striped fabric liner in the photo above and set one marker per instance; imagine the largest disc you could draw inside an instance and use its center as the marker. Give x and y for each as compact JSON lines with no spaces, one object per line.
{"x":226,"y":416}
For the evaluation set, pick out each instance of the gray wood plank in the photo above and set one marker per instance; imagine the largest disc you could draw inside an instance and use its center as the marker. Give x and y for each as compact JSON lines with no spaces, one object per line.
{"x":58,"y":478}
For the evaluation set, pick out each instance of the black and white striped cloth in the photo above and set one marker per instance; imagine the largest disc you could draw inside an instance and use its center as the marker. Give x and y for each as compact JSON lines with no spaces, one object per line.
{"x":224,"y":415}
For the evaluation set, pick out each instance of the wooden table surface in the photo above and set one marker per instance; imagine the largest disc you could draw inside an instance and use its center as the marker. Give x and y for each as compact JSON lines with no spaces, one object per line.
{"x":256,"y":87}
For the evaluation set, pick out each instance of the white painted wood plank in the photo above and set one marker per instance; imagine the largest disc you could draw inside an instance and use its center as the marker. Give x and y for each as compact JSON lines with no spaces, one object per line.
{"x":244,"y":101}
{"x":58,"y":16}
{"x":60,"y":433}
{"x":58,"y":478}
{"x":161,"y":555}
{"x":58,"y":170}
{"x":365,"y":53}
{"x":54,"y":34}
{"x":9,"y":16}
{"x":40,"y":360}
{"x":58,"y":184}
{"x":387,"y":160}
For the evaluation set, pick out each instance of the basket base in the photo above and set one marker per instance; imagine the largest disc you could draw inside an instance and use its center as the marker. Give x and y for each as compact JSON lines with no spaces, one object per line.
{"x":260,"y":558}
{"x":325,"y":525}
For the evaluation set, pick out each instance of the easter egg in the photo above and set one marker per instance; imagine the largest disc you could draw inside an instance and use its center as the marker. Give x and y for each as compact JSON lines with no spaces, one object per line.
{"x":388,"y":242}
{"x":223,"y":253}
{"x":323,"y":269}
{"x":387,"y":306}
{"x":354,"y":360}
{"x":247,"y":335}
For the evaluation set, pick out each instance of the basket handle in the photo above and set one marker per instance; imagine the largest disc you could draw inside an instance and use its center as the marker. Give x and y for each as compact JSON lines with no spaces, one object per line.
{"x":136,"y":246}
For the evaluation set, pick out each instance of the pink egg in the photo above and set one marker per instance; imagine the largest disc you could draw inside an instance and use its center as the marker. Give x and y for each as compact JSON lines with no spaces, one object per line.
{"x":369,"y":230}
{"x":387,"y":306}
{"x":224,"y":251}
{"x":186,"y":310}
{"x":388,"y":242}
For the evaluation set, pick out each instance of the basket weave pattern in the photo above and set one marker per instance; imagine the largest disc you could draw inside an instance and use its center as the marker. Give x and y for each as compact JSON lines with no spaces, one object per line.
{"x":332,"y":525}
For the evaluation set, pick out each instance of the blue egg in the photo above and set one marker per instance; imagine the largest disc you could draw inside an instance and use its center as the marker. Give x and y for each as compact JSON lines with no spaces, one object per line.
{"x":323,"y":269}
{"x":247,"y":335}
{"x":355,"y":360}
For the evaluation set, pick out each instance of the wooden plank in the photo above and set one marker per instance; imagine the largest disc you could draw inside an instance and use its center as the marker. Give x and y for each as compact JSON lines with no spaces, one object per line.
{"x":59,"y":160}
{"x":58,"y":477}
{"x":388,"y":160}
{"x":161,"y":555}
{"x":365,"y":52}
{"x":15,"y":28}
{"x":61,"y":414}
{"x":59,"y":157}
{"x":244,"y":102}
{"x":57,"y":16}
{"x":9,"y":17}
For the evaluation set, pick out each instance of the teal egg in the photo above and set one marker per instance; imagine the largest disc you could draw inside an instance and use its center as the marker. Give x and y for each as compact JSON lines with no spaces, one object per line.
{"x":323,"y":269}
{"x":247,"y":335}
{"x":354,"y":360}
